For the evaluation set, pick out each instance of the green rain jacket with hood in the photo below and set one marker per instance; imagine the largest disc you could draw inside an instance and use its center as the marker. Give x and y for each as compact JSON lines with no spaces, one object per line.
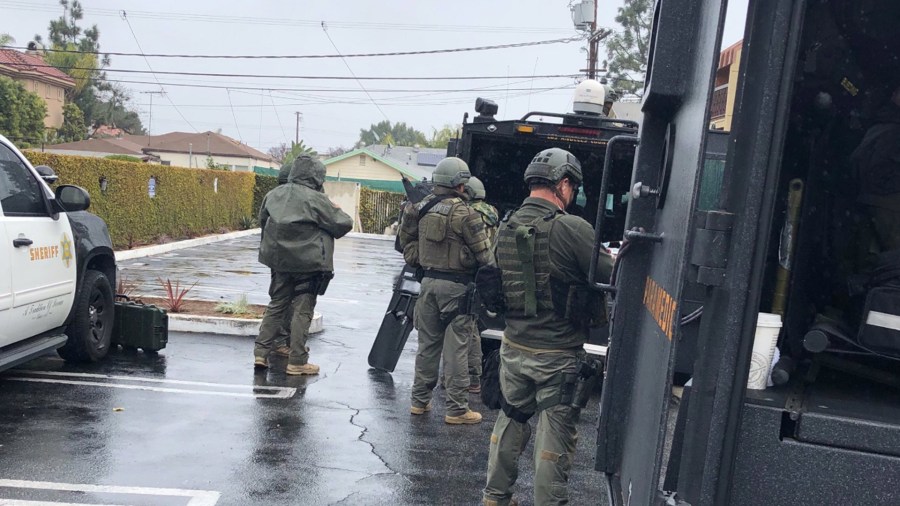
{"x":300,"y":223}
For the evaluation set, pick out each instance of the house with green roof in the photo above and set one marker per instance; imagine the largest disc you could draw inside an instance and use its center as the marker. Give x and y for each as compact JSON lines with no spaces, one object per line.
{"x":382,"y":167}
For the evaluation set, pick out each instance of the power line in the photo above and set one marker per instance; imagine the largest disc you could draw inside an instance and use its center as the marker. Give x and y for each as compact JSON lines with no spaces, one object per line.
{"x":125,"y":18}
{"x":313,"y":77}
{"x":354,"y":25}
{"x":565,"y":40}
{"x":233,"y":115}
{"x":325,"y":29}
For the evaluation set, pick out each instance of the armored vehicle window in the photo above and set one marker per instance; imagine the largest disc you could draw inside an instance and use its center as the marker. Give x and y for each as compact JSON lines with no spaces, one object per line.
{"x":20,"y":192}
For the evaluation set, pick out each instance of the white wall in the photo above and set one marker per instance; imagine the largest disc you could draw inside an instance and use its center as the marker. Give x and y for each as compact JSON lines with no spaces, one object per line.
{"x":198,"y":160}
{"x":346,"y":195}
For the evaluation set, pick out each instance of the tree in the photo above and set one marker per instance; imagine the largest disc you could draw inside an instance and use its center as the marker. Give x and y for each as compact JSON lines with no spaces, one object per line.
{"x":23,"y":113}
{"x":440,"y":138}
{"x":398,"y":134}
{"x":336,"y":151}
{"x":73,"y":128}
{"x":6,"y":39}
{"x":76,"y":51}
{"x":629,"y":48}
{"x":286,"y":155}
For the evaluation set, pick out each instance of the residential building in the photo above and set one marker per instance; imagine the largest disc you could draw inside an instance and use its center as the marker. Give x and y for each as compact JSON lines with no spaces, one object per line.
{"x":178,"y":148}
{"x":722,"y":105}
{"x":382,"y":167}
{"x":48,"y":83}
{"x":101,"y":148}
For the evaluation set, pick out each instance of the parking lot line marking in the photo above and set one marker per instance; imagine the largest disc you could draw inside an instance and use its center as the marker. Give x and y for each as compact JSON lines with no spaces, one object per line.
{"x":197,"y":497}
{"x":20,"y":502}
{"x":279,"y":392}
{"x":148,"y":380}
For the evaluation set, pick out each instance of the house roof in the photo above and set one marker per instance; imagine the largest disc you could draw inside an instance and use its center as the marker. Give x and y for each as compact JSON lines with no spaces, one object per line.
{"x":414,"y":163}
{"x":727,"y":56}
{"x":17,"y":64}
{"x":186,"y":142}
{"x":105,"y":145}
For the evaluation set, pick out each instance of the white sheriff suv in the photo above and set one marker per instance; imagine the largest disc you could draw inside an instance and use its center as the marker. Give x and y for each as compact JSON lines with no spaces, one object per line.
{"x":57,"y":267}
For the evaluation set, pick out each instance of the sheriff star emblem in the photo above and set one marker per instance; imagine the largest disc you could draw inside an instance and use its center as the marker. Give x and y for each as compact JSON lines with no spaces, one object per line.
{"x":65,"y":246}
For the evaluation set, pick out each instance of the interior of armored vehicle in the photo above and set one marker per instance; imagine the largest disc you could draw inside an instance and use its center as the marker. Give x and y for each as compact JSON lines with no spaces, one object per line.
{"x":833,"y":265}
{"x":500,"y":166}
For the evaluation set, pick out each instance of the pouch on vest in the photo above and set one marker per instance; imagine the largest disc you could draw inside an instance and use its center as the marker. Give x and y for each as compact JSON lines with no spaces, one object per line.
{"x":467,"y":258}
{"x":436,"y":227}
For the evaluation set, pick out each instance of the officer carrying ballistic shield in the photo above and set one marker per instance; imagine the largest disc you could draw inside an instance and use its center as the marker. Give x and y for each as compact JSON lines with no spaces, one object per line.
{"x":443,"y":237}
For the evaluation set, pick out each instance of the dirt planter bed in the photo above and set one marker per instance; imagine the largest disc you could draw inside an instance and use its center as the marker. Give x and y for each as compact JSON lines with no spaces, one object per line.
{"x":200,"y":317}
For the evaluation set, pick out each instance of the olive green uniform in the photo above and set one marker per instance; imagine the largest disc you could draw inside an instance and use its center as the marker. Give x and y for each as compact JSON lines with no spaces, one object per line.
{"x":541,"y":343}
{"x":448,"y":241}
{"x":299,"y":225}
{"x":491,"y":220}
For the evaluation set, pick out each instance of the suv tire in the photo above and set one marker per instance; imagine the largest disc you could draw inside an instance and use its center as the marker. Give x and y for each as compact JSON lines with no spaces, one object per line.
{"x":91,"y":328}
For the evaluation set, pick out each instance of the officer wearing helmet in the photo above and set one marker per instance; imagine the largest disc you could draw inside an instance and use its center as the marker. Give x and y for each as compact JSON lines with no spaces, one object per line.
{"x":445,"y":238}
{"x":490,"y":218}
{"x":544,"y":255}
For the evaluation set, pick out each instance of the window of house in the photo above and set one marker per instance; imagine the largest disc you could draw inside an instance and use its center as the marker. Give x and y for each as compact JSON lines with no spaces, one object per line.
{"x":20,"y":191}
{"x":47,"y":91}
{"x":362,"y":160}
{"x":59,"y":93}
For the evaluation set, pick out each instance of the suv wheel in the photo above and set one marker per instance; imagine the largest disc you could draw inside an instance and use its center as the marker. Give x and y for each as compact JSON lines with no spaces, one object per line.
{"x":91,"y":328}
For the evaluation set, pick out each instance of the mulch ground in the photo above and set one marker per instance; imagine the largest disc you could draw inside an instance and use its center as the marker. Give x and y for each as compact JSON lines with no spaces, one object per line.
{"x":203,"y":308}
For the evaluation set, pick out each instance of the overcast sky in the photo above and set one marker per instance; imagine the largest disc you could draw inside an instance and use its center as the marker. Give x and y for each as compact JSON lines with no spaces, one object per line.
{"x":333,"y":110}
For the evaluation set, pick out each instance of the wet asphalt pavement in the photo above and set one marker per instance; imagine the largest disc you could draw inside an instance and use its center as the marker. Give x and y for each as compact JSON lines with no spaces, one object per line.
{"x":196,"y":426}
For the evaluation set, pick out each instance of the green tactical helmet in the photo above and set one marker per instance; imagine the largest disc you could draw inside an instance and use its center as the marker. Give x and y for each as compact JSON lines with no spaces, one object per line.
{"x":553,"y":165}
{"x":475,"y":189}
{"x":451,"y":172}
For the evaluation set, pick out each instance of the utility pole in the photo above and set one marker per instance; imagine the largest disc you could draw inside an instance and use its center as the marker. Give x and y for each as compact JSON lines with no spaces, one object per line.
{"x":299,"y":117}
{"x":150,"y":120}
{"x":584,"y":15}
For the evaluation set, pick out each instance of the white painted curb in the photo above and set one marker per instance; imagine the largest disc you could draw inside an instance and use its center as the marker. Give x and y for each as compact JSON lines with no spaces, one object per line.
{"x":363,"y":235}
{"x":173,"y":246}
{"x":227,"y":326}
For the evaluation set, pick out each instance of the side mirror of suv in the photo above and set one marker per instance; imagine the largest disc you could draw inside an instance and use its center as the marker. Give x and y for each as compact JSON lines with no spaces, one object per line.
{"x":72,"y":198}
{"x":47,"y":174}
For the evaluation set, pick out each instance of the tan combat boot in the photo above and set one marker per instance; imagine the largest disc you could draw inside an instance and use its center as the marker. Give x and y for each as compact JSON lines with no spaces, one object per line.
{"x":260,"y":363}
{"x":469,"y":417}
{"x":415,"y":410}
{"x":282,"y":351}
{"x":300,"y":370}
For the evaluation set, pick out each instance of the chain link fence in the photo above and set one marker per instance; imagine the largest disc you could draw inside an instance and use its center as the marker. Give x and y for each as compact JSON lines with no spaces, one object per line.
{"x":378,"y":209}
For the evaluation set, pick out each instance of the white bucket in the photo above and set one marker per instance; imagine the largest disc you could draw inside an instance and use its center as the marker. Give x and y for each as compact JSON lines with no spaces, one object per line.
{"x":768,"y":326}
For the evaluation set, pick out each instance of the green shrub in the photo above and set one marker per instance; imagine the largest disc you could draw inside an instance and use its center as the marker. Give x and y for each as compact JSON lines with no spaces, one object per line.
{"x":185,"y":204}
{"x":378,"y":209}
{"x":123,"y":158}
{"x":262,"y":186}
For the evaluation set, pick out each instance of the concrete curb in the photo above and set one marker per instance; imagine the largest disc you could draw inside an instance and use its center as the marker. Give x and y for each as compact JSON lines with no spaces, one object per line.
{"x":173,"y":246}
{"x":227,"y":326}
{"x":363,"y":235}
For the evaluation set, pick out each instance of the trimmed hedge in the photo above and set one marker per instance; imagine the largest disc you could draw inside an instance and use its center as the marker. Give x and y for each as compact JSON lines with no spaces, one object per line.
{"x":262,"y":186}
{"x":185,"y":205}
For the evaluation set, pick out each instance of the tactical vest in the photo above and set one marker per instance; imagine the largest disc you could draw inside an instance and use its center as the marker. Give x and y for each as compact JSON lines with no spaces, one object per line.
{"x":440,"y":247}
{"x":523,"y":253}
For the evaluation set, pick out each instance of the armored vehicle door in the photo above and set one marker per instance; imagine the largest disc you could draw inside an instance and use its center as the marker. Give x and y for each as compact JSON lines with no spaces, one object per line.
{"x":659,"y":226}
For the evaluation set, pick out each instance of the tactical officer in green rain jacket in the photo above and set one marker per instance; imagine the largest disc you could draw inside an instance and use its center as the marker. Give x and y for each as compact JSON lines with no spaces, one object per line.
{"x":545,"y":257}
{"x":299,"y":225}
{"x":445,"y":238}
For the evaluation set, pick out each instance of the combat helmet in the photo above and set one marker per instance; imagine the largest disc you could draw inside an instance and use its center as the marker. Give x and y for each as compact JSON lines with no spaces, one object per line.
{"x":475,"y":189}
{"x":451,"y":172}
{"x":553,"y":165}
